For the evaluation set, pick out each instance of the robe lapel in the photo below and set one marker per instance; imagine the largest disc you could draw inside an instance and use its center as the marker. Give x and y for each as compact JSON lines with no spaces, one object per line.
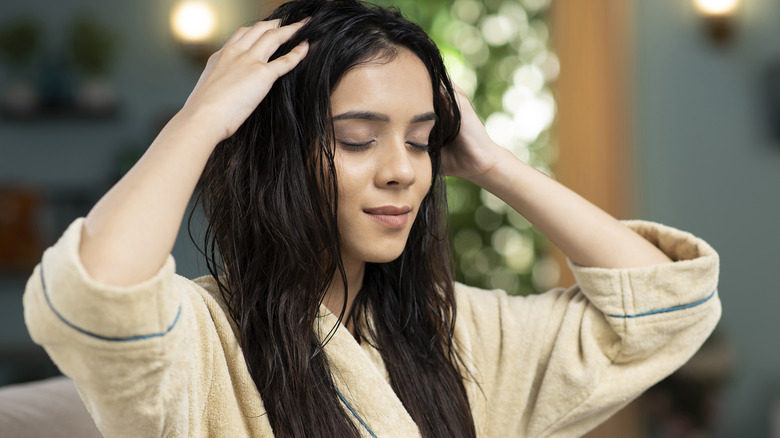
{"x":361,"y":378}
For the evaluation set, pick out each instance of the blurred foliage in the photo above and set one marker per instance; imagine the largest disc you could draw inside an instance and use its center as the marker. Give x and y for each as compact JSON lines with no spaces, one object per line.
{"x":91,"y":45}
{"x":497,"y":51}
{"x":20,"y":41}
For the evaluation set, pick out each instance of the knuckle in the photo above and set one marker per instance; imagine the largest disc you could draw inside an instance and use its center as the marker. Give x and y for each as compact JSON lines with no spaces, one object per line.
{"x":240,"y":31}
{"x":230,"y":50}
{"x":274,"y":31}
{"x":276,"y":67}
{"x":214,"y":57}
{"x":271,"y":24}
{"x":282,"y":32}
{"x":284,"y":61}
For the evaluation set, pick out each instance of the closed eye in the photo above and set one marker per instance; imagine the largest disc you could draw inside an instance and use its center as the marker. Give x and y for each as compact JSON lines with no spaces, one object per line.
{"x":419,"y":146}
{"x":355,"y":146}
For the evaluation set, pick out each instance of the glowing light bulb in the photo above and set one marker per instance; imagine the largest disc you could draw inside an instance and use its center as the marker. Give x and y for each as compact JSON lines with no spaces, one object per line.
{"x":716,"y":7}
{"x":193,"y":22}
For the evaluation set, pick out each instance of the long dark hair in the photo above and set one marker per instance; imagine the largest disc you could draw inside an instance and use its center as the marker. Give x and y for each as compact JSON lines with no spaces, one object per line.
{"x":272,"y":242}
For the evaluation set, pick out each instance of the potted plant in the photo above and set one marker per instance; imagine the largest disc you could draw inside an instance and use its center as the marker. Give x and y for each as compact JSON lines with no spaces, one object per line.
{"x":20,"y":43}
{"x":91,"y":49}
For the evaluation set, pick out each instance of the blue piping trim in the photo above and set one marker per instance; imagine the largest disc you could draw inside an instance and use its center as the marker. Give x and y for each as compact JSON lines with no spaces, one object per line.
{"x":346,"y":403}
{"x":101,"y":337}
{"x":668,"y":309}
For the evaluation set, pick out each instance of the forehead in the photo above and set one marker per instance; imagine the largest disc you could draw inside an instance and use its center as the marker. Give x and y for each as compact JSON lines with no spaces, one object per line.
{"x":397,"y":84}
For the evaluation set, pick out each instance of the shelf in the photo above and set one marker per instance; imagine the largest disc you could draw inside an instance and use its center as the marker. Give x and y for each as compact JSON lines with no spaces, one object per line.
{"x":59,"y":114}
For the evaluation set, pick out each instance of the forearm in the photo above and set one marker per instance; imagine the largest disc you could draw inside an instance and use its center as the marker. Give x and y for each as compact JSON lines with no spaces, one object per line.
{"x":129,"y":233}
{"x":585,"y":233}
{"x":131,"y":230}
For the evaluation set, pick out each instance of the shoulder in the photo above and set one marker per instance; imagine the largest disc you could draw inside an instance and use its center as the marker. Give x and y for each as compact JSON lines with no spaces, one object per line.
{"x":473,"y":302}
{"x":207,"y":290}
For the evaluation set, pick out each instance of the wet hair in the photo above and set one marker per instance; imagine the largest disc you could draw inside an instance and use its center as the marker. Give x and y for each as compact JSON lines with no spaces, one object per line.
{"x":272,"y":241}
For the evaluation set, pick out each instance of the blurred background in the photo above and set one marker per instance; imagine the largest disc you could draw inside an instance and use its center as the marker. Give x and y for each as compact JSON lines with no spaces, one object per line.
{"x":666,"y":110}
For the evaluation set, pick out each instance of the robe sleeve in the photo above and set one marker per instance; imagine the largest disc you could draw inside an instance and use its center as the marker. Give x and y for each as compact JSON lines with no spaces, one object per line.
{"x":131,"y":350}
{"x":559,"y":363}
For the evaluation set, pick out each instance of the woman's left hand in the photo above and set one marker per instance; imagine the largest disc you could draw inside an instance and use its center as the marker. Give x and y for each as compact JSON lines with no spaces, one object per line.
{"x":473,"y":153}
{"x":586,"y":234}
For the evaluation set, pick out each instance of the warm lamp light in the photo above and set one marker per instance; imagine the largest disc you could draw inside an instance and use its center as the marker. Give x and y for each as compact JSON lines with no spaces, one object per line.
{"x":194,"y":24}
{"x":719,"y":18}
{"x":716,"y":7}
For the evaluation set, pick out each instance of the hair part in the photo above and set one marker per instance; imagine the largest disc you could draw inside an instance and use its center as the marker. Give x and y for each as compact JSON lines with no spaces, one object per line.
{"x":272,"y":242}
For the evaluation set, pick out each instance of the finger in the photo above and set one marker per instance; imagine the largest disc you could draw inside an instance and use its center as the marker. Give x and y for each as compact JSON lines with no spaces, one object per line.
{"x":283,"y":64}
{"x":256,"y":31}
{"x":236,"y":35}
{"x":462,"y":99}
{"x":458,"y":89}
{"x":265,"y":46}
{"x":460,"y":95}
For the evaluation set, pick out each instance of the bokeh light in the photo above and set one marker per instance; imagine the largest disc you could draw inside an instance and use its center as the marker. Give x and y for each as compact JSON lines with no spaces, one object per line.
{"x":193,"y":22}
{"x":716,"y":7}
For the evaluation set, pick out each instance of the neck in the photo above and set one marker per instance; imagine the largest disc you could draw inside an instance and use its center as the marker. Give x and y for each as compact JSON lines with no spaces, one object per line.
{"x":334,"y":298}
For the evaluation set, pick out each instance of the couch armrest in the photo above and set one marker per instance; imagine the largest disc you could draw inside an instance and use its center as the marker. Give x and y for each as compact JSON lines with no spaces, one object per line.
{"x":46,"y":408}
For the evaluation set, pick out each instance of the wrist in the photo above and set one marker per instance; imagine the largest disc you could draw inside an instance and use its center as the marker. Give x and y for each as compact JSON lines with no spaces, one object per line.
{"x":187,"y":137}
{"x":505,"y":166}
{"x":198,"y":123}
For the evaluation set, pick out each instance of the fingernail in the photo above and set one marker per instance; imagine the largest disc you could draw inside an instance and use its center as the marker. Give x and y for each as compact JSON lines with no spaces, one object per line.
{"x":306,"y":20}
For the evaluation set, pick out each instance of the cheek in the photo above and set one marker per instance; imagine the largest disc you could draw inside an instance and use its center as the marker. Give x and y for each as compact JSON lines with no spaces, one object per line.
{"x":425,"y":173}
{"x":424,"y":179}
{"x":352,"y":176}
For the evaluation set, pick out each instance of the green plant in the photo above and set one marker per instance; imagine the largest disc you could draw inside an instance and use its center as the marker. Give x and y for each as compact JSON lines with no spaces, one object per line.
{"x":91,"y":46}
{"x":496,"y":50}
{"x":20,"y":41}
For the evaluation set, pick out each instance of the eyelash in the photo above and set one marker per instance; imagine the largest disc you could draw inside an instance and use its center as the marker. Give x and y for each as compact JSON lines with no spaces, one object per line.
{"x":364,"y":146}
{"x":420,"y":147}
{"x":355,"y":146}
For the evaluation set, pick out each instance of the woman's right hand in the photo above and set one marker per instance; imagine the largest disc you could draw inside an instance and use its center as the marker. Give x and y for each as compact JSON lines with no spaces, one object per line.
{"x":129,"y":233}
{"x":239,"y":75}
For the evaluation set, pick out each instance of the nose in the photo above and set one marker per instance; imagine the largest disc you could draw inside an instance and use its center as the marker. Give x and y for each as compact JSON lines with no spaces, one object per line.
{"x":395,"y":168}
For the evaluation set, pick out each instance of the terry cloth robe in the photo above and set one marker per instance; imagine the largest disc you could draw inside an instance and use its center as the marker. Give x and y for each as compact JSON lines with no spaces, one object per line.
{"x":161,"y":358}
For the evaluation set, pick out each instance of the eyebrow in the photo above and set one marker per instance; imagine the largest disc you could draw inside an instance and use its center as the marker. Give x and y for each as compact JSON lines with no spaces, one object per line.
{"x":377,"y":117}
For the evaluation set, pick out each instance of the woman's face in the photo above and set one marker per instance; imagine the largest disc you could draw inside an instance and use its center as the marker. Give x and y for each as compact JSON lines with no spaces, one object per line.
{"x":383,"y":116}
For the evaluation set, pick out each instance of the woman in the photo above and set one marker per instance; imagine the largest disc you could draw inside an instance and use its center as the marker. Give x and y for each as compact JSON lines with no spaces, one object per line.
{"x":321,"y":137}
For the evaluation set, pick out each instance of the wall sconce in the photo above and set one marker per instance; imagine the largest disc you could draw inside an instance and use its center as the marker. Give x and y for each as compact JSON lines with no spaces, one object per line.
{"x":194,"y":25}
{"x":718,"y":18}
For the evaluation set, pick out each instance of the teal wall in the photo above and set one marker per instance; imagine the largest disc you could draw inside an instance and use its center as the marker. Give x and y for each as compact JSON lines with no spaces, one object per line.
{"x":80,"y":158}
{"x":151,"y":76}
{"x":706,"y":163}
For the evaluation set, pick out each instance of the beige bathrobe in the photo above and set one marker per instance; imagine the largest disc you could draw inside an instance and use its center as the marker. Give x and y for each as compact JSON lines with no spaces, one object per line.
{"x":161,"y":358}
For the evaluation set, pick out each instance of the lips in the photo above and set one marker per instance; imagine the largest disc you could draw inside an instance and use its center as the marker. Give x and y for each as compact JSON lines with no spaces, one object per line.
{"x":389,"y":215}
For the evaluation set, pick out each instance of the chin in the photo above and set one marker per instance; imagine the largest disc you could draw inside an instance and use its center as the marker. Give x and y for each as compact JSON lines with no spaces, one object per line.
{"x":386,"y":257}
{"x":373,"y":248}
{"x":381,"y":252}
